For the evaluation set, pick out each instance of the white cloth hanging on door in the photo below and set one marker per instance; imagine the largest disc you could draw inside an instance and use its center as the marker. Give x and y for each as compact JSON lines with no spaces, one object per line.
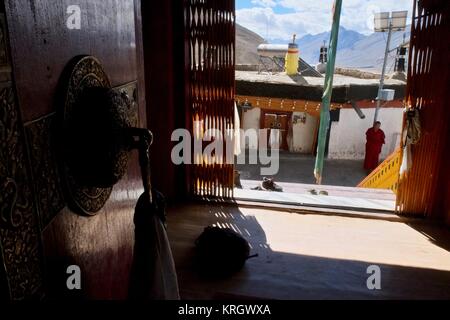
{"x":275,"y":138}
{"x":406,"y":160}
{"x":411,"y":135}
{"x":237,"y":131}
{"x":165,"y":285}
{"x":153,"y":275}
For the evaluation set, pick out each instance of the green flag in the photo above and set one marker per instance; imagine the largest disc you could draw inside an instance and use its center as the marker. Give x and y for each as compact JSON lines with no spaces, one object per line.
{"x":327,"y":90}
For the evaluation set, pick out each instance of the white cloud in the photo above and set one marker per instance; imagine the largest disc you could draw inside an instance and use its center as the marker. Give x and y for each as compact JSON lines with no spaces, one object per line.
{"x":264,"y":3}
{"x":305,"y":5}
{"x":270,"y":25}
{"x":312,"y":16}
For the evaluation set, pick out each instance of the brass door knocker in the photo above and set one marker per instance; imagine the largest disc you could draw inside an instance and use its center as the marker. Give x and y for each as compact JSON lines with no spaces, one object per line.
{"x":96,"y":134}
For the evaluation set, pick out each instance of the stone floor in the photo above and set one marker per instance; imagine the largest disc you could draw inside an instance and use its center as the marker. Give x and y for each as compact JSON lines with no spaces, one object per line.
{"x":298,"y":168}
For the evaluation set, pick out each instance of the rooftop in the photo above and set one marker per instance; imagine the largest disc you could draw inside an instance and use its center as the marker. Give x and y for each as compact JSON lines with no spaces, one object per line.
{"x":280,"y":85}
{"x":282,"y":78}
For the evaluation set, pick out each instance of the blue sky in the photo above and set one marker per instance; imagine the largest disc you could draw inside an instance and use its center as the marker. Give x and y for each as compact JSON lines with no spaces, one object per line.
{"x":279,"y":19}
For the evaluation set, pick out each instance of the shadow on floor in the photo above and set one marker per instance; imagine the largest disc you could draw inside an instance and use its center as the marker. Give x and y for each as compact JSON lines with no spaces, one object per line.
{"x":284,"y":275}
{"x":436,"y":233}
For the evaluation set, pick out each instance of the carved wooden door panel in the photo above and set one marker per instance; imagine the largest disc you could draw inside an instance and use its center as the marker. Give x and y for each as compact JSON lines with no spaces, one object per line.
{"x":40,"y":236}
{"x":279,"y":122}
{"x":20,"y":257}
{"x":283,"y":120}
{"x":211,"y":37}
{"x":270,"y":121}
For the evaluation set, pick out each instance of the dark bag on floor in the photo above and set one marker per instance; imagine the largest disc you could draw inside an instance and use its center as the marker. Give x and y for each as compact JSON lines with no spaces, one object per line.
{"x":221,"y":252}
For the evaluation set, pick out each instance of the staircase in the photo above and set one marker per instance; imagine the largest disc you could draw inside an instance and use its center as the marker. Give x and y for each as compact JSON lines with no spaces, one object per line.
{"x":386,"y":175}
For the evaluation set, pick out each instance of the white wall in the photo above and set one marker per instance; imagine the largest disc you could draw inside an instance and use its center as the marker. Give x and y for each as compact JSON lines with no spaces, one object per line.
{"x":250,"y":120}
{"x":348,"y":136}
{"x":302,"y":133}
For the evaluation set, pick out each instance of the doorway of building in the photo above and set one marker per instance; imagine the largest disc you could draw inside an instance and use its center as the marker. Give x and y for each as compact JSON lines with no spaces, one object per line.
{"x":277,"y":129}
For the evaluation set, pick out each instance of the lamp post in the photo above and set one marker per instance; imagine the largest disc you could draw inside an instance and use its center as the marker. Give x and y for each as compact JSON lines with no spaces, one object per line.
{"x":385,"y":21}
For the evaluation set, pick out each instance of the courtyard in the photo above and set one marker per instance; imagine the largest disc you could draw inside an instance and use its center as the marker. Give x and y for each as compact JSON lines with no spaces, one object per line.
{"x":299,"y":168}
{"x":295,"y":177}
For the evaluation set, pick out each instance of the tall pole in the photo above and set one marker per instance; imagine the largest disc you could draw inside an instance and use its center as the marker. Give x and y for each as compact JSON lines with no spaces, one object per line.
{"x":327,"y":90}
{"x":383,"y":72}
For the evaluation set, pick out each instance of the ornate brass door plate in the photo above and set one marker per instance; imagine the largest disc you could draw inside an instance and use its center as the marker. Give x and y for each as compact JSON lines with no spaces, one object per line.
{"x":94,"y":148}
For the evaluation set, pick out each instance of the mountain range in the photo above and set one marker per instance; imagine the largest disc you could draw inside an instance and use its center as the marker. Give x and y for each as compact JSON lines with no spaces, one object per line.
{"x":246,"y":43}
{"x":355,"y":50}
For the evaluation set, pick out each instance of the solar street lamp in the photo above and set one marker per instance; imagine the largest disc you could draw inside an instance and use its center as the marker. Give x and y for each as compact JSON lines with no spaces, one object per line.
{"x":387,"y":22}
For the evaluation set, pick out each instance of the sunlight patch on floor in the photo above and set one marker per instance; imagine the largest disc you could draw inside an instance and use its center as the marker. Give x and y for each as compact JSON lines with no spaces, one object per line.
{"x":368,"y":240}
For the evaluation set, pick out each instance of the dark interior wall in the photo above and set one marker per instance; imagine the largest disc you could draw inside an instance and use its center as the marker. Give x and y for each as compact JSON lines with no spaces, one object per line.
{"x":166,"y":88}
{"x":41,"y":45}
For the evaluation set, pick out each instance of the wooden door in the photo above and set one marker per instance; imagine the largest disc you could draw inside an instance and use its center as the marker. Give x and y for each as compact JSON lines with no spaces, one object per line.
{"x":424,"y":189}
{"x":211,"y":38}
{"x":270,"y":120}
{"x":277,"y":121}
{"x":269,"y":123}
{"x":40,"y":41}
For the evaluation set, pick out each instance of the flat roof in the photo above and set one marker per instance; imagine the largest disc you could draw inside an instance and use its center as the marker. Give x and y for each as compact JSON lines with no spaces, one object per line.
{"x":283,"y":78}
{"x":280,"y":85}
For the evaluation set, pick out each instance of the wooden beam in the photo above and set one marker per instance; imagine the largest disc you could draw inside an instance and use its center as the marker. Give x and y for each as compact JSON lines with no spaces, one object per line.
{"x":309,"y":106}
{"x":285,"y":105}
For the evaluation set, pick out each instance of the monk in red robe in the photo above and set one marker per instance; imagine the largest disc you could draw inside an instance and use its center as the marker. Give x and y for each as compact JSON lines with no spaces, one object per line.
{"x":375,"y":140}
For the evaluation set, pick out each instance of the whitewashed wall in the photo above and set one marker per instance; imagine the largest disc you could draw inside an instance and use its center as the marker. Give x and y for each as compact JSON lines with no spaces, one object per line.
{"x":348,"y":136}
{"x":250,"y":120}
{"x":302,"y":134}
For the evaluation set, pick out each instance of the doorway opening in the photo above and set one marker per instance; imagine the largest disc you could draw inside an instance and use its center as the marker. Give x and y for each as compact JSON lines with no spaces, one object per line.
{"x":287,"y":107}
